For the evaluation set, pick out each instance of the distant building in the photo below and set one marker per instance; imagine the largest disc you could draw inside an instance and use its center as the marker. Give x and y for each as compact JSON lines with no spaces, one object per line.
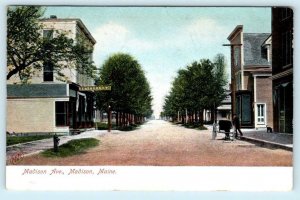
{"x":48,"y":104}
{"x":224,"y":110}
{"x":282,"y":47}
{"x":252,"y":75}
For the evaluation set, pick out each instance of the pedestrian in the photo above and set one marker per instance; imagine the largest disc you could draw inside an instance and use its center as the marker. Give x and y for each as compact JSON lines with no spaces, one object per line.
{"x":237,"y":126}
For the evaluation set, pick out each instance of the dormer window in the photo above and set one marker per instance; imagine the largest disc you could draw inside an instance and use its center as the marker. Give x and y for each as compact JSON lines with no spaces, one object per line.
{"x":264,"y":52}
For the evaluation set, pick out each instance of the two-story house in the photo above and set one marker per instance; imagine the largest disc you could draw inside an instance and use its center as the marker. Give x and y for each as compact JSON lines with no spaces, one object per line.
{"x":49,"y":104}
{"x":252,"y":74}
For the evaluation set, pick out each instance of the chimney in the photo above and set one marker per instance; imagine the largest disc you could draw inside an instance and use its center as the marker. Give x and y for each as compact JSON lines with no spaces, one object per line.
{"x":53,"y":17}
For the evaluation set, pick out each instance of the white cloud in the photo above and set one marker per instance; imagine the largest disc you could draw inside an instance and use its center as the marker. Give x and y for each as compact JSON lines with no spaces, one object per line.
{"x":200,"y":32}
{"x":110,"y":35}
{"x":206,"y":29}
{"x":113,"y":37}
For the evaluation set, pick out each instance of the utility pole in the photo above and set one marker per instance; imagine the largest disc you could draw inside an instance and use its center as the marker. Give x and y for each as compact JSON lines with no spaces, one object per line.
{"x":233,"y":84}
{"x":109,"y":118}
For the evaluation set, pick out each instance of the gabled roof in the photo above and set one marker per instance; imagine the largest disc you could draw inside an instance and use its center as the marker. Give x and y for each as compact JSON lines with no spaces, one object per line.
{"x":253,"y":48}
{"x":236,"y":30}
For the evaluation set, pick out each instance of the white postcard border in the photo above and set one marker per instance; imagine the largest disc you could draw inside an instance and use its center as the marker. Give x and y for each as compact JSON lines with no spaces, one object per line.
{"x":137,"y":178}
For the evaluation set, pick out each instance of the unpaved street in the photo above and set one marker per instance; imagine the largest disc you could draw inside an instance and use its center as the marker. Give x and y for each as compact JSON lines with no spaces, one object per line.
{"x":159,"y":143}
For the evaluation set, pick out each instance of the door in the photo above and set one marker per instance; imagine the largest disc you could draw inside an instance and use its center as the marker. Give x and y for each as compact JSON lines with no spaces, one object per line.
{"x":261,"y":114}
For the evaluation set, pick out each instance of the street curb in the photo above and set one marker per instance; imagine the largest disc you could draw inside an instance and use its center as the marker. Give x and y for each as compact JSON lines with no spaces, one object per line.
{"x":19,"y":144}
{"x":266,"y":143}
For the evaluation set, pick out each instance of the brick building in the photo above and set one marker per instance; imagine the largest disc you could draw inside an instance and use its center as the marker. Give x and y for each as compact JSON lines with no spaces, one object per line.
{"x":282,"y":47}
{"x":252,"y":77}
{"x":49,"y":104}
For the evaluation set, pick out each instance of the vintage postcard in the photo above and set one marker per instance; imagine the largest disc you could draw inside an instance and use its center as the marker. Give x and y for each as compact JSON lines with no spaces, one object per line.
{"x":149,"y":98}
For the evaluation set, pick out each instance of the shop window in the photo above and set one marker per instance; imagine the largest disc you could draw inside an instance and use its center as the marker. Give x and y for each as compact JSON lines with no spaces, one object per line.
{"x":61,"y":113}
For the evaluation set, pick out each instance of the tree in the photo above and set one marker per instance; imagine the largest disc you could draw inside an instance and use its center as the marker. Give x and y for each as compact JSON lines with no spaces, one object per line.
{"x":130,"y":94}
{"x":197,"y":87}
{"x":28,"y":51}
{"x":220,"y":82}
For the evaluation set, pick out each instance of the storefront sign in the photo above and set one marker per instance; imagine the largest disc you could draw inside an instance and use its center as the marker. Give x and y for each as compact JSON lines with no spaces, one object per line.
{"x":96,"y":88}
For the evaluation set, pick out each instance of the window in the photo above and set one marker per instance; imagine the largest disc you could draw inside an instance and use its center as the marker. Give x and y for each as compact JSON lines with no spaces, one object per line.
{"x":264,"y":52}
{"x":48,"y":71}
{"x":286,"y":52}
{"x":48,"y":34}
{"x":260,"y":113}
{"x":238,"y":79}
{"x":48,"y":66}
{"x":61,"y":111}
{"x":237,"y":57}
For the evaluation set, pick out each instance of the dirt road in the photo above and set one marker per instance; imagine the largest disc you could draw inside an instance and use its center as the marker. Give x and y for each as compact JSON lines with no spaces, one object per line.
{"x":159,"y":143}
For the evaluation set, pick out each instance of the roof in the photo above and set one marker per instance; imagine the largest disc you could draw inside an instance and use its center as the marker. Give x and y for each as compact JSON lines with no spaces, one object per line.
{"x":236,"y":30}
{"x":268,"y":41}
{"x":253,"y":48}
{"x":78,"y":22}
{"x":224,"y":107}
{"x":227,"y":98}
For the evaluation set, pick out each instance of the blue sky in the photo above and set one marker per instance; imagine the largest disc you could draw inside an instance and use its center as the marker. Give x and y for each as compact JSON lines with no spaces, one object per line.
{"x":165,"y":39}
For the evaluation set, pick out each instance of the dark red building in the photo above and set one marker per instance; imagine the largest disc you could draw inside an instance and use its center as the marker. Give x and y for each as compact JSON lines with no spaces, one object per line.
{"x":282,"y":68}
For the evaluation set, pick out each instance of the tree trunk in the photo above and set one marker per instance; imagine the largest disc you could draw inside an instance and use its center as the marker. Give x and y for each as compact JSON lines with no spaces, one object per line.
{"x":192,"y":118}
{"x":117,"y":118}
{"x":123,"y":119}
{"x":213,"y":114}
{"x":201,"y":117}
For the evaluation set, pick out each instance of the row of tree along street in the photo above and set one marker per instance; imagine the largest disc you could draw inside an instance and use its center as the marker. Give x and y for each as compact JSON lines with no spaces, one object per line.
{"x":130,"y":97}
{"x":198,"y":87}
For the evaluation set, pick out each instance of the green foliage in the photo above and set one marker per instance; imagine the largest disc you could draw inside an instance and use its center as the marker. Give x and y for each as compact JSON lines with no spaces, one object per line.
{"x":72,"y":147}
{"x":197,"y":126}
{"x":201,"y":85}
{"x":129,"y":128}
{"x":104,"y":126}
{"x":28,"y":50}
{"x":130,"y":89}
{"x":11,"y":140}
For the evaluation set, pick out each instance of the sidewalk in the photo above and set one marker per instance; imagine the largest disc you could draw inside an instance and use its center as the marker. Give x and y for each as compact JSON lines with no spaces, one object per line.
{"x":263,"y":138}
{"x":33,"y":147}
{"x":279,"y":140}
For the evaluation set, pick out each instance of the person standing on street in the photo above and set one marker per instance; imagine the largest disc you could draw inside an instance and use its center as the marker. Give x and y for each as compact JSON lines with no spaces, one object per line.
{"x":237,"y":126}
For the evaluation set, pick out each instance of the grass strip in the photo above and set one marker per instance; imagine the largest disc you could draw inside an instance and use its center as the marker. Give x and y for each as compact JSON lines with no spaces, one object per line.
{"x":73,"y":147}
{"x":11,"y":140}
